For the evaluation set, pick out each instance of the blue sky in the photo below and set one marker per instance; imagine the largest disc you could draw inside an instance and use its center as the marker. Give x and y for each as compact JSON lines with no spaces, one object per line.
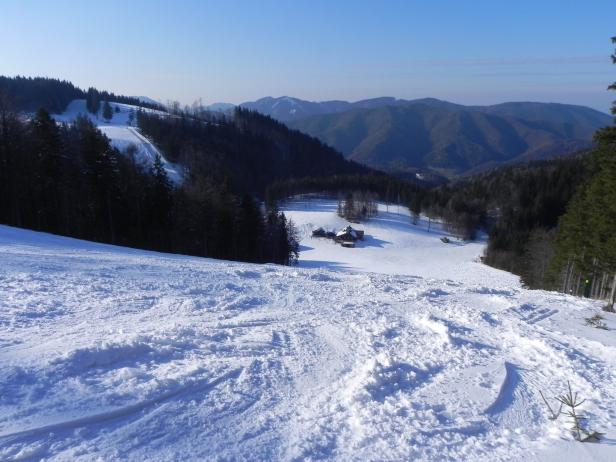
{"x":471,"y":52}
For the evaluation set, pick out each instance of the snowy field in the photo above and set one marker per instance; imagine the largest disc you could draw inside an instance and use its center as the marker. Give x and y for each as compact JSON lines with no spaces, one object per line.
{"x":404,"y":348}
{"x":391,"y":246}
{"x":122,"y":134}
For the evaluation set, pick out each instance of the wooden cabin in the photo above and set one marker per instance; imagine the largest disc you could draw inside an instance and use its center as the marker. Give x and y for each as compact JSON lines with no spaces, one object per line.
{"x":349,"y":235}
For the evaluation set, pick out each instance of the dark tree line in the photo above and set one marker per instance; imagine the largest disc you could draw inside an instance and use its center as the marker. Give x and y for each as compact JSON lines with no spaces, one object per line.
{"x":28,"y":94}
{"x":358,"y":205}
{"x":386,"y":188}
{"x":95,"y":98}
{"x":519,"y":206}
{"x":584,"y":256}
{"x":67,"y":179}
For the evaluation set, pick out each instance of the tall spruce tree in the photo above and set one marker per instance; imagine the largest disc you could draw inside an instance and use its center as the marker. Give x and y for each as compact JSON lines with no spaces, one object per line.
{"x":14,"y":169}
{"x":101,"y":179}
{"x":158,"y":204}
{"x":47,"y":149}
{"x":93,"y":101}
{"x":107,"y":111}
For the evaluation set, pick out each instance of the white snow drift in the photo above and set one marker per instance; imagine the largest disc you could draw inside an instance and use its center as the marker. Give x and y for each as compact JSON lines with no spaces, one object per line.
{"x":109,"y":353}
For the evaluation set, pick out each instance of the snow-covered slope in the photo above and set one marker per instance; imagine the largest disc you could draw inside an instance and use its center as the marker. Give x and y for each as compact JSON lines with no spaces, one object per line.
{"x":109,"y":353}
{"x":121,"y":133}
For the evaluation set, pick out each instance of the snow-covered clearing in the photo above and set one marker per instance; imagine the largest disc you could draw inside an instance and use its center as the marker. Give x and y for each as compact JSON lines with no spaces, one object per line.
{"x":391,"y":246}
{"x":109,"y":353}
{"x":122,"y":133}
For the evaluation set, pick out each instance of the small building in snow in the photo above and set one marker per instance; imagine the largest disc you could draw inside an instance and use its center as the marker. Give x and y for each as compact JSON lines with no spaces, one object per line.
{"x":319,"y":232}
{"x":349,"y":234}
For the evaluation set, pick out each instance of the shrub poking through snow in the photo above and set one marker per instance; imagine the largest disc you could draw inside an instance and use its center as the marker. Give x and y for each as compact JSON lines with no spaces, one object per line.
{"x":572,"y":402}
{"x":553,"y":415}
{"x":596,"y":321}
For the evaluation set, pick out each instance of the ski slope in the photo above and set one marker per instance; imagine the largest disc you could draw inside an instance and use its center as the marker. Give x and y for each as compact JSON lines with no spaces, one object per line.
{"x":122,"y":134}
{"x":404,"y":348}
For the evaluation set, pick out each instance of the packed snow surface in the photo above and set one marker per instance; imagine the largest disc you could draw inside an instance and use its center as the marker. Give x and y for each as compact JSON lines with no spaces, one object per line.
{"x":123,"y":132}
{"x":403,"y":348}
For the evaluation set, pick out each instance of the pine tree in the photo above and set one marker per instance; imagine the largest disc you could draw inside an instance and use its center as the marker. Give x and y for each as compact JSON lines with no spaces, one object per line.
{"x":158,"y":204}
{"x":248,"y":231}
{"x":101,"y":179}
{"x":47,"y":169}
{"x":415,"y":208}
{"x":292,"y":243}
{"x":107,"y":111}
{"x":349,"y":207}
{"x":282,"y":242}
{"x":93,"y":102}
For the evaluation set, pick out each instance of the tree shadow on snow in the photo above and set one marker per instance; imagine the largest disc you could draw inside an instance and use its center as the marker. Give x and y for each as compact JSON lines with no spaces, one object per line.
{"x":371,"y":241}
{"x":330,"y":265}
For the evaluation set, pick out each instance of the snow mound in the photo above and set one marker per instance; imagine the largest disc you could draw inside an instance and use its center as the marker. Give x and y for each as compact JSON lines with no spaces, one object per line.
{"x":123,"y":132}
{"x":112,"y":353}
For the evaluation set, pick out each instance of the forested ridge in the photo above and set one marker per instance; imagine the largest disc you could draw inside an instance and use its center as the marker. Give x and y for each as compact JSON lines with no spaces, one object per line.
{"x":67,"y":179}
{"x":28,"y":94}
{"x":249,"y":150}
{"x":452,"y":140}
{"x":519,"y":206}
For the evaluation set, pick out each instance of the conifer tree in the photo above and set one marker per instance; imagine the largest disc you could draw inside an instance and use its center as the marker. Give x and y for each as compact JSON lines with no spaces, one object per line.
{"x":415,"y":208}
{"x":101,"y":178}
{"x":158,"y":203}
{"x":93,"y":102}
{"x":47,"y":168}
{"x":248,"y":230}
{"x":107,"y":111}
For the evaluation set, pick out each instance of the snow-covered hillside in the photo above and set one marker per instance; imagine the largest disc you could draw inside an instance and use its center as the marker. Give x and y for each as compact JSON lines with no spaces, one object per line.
{"x":122,"y":133}
{"x":109,"y":353}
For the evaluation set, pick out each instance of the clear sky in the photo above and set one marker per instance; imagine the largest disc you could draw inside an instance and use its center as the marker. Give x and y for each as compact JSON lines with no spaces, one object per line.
{"x":466,"y":51}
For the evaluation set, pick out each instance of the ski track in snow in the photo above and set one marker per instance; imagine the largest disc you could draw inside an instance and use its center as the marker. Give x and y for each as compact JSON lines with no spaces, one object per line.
{"x":121,"y":134}
{"x":109,"y":353}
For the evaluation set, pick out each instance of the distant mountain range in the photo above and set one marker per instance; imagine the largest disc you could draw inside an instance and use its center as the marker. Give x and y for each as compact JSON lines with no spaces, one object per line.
{"x":288,"y":109}
{"x":438,"y":136}
{"x":220,"y":107}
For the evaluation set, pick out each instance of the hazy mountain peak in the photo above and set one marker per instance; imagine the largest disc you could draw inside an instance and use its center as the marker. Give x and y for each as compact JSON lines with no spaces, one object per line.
{"x":220,"y":107}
